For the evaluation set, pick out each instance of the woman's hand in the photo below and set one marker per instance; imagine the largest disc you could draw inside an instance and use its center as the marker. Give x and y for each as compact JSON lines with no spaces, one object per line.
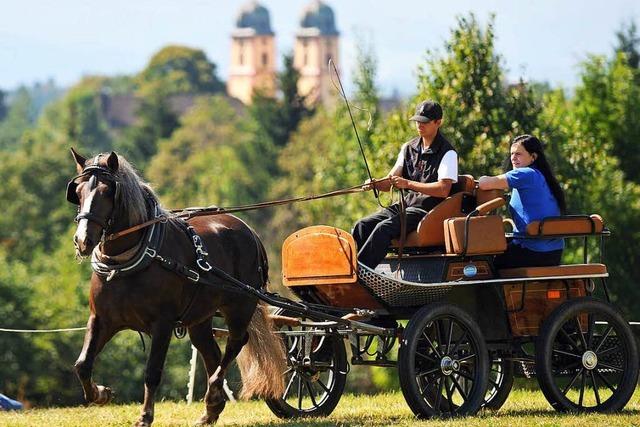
{"x":399,"y":182}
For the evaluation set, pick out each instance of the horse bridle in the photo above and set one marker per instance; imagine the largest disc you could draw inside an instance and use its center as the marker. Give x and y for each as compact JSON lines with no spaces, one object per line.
{"x":72,"y":197}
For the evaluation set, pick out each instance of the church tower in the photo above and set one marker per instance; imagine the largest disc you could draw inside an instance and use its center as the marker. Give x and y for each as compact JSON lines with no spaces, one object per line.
{"x":316,"y":42}
{"x":253,"y":54}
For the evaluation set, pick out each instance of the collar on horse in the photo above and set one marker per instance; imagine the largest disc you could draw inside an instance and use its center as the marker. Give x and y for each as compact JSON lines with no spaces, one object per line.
{"x":145,"y":253}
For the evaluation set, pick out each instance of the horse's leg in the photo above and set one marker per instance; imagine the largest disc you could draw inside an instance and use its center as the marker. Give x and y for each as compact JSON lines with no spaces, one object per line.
{"x":202,"y":339}
{"x":160,"y":338}
{"x":98,"y":334}
{"x":237,"y":320}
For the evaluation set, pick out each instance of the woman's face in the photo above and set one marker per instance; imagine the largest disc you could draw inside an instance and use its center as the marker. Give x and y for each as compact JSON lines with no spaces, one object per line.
{"x":520,"y":157}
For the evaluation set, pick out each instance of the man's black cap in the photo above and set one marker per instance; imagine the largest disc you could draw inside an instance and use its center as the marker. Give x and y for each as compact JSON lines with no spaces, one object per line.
{"x":427,"y":111}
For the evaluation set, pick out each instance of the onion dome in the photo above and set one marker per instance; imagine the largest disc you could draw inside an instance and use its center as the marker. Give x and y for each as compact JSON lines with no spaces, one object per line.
{"x":317,"y":19}
{"x":253,"y":20}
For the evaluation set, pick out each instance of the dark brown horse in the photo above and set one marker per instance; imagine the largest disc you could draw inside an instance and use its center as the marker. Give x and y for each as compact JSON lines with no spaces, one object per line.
{"x":152,"y":295}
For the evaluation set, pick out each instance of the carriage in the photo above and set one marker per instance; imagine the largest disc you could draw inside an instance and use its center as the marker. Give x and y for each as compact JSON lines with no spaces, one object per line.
{"x":461,"y":328}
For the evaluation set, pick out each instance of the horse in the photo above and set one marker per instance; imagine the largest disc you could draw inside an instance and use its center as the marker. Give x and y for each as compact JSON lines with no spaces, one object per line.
{"x":161,"y":291}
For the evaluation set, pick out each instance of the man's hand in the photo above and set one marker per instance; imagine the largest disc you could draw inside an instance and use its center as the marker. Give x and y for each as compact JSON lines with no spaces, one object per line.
{"x":399,"y":182}
{"x":382,"y":184}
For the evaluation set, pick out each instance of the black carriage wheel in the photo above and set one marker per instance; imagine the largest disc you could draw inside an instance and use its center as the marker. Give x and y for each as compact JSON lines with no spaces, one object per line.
{"x":314,"y":388}
{"x":443,"y":363}
{"x":501,"y":374}
{"x":586,"y":358}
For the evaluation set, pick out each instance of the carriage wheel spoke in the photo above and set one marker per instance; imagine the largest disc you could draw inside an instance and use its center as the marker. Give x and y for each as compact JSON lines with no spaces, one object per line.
{"x":424,"y":356}
{"x":299,"y":392}
{"x":571,"y":341}
{"x":607,"y":366}
{"x":595,"y":388}
{"x":460,"y":390}
{"x":455,"y":348}
{"x":467,"y":358}
{"x":609,"y":350}
{"x":436,"y":405}
{"x":435,"y":350}
{"x":449,"y":394}
{"x":324,"y":387}
{"x":583,"y":383}
{"x":573,"y":380}
{"x":605,"y":381}
{"x":286,"y":390}
{"x":313,"y":399}
{"x":580,"y":334}
{"x":450,"y":336}
{"x":604,"y":338}
{"x":566,"y":353}
{"x":590,"y":327}
{"x":465,"y":375}
{"x":424,"y":374}
{"x":439,"y":324}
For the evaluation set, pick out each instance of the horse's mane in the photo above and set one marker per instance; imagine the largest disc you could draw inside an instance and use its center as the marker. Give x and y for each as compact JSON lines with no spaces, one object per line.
{"x":134,"y":194}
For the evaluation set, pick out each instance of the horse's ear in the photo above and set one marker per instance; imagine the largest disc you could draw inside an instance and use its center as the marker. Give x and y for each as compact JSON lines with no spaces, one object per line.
{"x":80,"y":161}
{"x":112,"y":162}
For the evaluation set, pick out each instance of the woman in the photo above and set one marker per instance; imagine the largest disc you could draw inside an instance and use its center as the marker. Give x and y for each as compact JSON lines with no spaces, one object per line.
{"x":536,"y":194}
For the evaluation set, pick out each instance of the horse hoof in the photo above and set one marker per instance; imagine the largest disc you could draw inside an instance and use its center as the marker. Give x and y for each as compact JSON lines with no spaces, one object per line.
{"x":104,"y":395}
{"x":142,"y":423}
{"x":206,"y":420}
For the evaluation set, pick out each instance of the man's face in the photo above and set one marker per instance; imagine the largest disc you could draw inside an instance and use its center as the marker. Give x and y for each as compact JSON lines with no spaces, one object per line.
{"x":428,"y":130}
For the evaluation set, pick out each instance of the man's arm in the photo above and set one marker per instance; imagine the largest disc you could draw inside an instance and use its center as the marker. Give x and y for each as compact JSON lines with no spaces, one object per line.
{"x":498,"y":182}
{"x":440,"y":188}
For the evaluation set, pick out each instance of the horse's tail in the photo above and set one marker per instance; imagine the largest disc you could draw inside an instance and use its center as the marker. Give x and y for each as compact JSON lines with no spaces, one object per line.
{"x":262,"y":361}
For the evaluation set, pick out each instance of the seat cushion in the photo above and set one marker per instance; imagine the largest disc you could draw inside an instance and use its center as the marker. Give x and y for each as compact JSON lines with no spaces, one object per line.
{"x":555,"y":271}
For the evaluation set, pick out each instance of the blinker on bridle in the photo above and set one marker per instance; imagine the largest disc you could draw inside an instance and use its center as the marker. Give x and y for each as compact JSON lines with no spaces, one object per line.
{"x":72,"y":197}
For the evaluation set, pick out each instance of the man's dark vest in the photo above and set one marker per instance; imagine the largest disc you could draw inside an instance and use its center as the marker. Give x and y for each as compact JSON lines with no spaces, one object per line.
{"x":423,"y":167}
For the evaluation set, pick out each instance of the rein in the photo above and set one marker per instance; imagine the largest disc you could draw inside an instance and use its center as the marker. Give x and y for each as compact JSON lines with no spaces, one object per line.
{"x":187,"y":213}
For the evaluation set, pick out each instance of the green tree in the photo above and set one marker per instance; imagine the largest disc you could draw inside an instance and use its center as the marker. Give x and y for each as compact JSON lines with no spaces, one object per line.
{"x":629,"y":44}
{"x":481,"y":114}
{"x":607,"y":103}
{"x":180,"y":70}
{"x":3,"y":105}
{"x":18,"y":118}
{"x":208,"y":161}
{"x":279,"y":116}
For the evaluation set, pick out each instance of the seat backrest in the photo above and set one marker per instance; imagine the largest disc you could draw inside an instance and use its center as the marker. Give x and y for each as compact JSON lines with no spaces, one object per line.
{"x":430,"y":231}
{"x":465,"y":184}
{"x":482,"y":235}
{"x":566,"y":225}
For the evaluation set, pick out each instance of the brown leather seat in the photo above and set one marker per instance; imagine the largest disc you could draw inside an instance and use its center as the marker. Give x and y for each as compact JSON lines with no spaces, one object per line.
{"x":554,"y":271}
{"x":430,"y":231}
{"x":566,"y":225}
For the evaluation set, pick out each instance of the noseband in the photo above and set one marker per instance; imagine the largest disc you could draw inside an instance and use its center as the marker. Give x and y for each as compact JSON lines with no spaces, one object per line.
{"x":95,"y":171}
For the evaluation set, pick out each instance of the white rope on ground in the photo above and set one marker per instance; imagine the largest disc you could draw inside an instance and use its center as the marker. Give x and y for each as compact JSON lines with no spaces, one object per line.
{"x":34,"y":331}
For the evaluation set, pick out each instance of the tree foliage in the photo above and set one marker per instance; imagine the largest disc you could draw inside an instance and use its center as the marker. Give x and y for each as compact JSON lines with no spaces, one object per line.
{"x":180,"y":70}
{"x":481,"y":113}
{"x":279,"y":116}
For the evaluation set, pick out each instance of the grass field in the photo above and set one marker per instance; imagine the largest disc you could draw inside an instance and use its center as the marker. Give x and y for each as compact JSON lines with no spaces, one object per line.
{"x":524,"y":408}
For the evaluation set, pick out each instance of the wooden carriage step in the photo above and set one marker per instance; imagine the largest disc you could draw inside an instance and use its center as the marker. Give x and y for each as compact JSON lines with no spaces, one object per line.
{"x":554,"y":271}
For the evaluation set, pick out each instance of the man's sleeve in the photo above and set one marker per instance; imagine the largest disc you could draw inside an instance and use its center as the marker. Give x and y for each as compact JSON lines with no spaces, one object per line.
{"x":448,"y":168}
{"x":399,"y":165}
{"x":520,"y":177}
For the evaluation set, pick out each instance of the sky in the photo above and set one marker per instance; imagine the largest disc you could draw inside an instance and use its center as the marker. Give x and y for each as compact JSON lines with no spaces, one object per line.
{"x":542,"y":40}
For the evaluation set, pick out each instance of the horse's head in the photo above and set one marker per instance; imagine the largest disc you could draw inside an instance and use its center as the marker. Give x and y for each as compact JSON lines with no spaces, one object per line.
{"x":94,"y":190}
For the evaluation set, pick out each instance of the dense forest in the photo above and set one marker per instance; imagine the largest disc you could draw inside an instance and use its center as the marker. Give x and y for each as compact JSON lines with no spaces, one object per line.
{"x":217,"y":152}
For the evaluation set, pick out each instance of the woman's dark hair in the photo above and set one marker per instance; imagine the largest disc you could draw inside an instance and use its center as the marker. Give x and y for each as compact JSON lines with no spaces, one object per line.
{"x":533,"y":145}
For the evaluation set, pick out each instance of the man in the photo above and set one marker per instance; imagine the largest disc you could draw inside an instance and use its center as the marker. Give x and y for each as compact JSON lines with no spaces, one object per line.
{"x":427,"y":166}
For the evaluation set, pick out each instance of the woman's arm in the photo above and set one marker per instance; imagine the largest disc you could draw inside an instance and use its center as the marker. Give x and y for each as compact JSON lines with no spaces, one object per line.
{"x":493,"y":182}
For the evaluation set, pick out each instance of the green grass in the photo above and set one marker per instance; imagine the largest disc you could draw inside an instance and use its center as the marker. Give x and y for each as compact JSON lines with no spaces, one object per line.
{"x":524,"y":408}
